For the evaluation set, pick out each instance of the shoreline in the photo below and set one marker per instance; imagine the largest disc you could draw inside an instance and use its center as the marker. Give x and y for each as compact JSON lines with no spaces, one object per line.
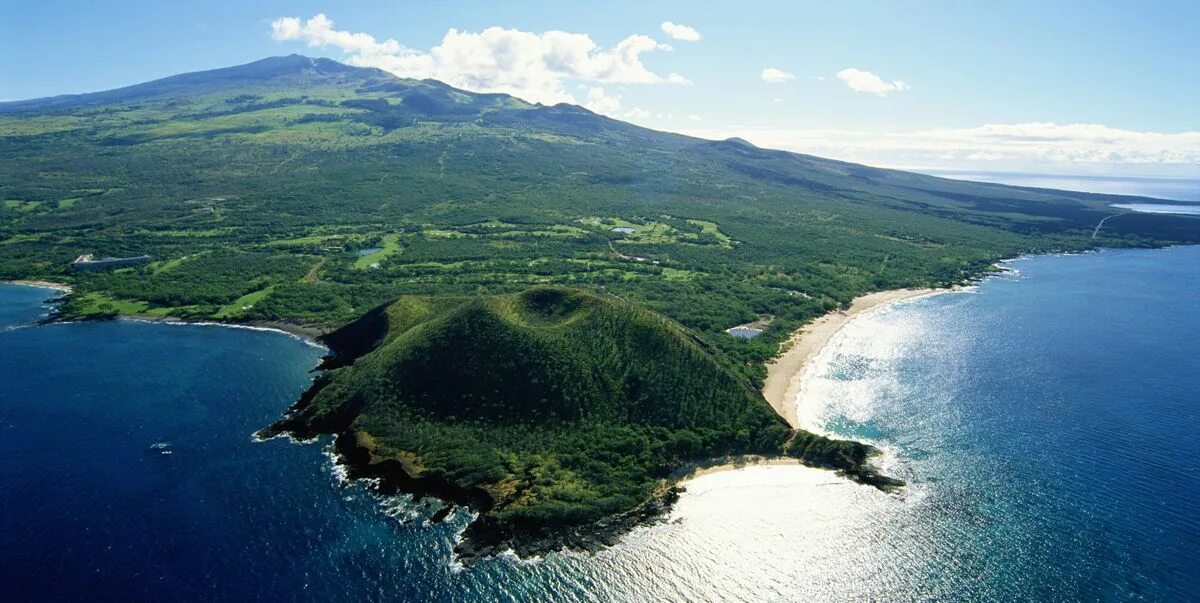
{"x":307,"y":334}
{"x":785,"y":372}
{"x":721,"y":465}
{"x":64,"y":288}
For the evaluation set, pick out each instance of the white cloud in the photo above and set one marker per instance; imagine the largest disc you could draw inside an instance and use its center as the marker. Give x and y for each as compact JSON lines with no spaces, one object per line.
{"x":680,"y":32}
{"x":600,"y":102}
{"x":1031,"y":147}
{"x":778,"y":100}
{"x":532,"y":66}
{"x":865,"y":81}
{"x":772,"y":75}
{"x":695,"y":118}
{"x":636,"y":113}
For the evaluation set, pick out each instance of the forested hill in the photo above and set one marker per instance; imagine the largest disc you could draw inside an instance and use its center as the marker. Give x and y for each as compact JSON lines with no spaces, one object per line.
{"x":309,"y":191}
{"x":559,"y":415}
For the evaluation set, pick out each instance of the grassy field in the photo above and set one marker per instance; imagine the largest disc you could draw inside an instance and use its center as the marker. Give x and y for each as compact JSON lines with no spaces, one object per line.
{"x":242,"y":304}
{"x":389,"y":245}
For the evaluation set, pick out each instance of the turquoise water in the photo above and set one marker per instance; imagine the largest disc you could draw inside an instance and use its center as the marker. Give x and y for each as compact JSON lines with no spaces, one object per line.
{"x":1045,"y":422}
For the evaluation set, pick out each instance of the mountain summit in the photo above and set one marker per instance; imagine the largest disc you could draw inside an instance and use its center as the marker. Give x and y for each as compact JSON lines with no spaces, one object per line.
{"x":291,"y":70}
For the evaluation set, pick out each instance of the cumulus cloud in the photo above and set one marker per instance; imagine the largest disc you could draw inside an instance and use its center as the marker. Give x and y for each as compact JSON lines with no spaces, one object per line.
{"x":680,"y":32}
{"x":529,"y":65}
{"x":772,"y":75}
{"x":865,"y":81}
{"x":1032,"y":146}
{"x":636,"y":113}
{"x":601,"y":102}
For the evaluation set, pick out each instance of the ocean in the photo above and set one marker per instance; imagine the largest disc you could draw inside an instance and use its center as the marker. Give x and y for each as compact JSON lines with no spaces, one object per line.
{"x":1175,"y":189}
{"x":1045,"y":421}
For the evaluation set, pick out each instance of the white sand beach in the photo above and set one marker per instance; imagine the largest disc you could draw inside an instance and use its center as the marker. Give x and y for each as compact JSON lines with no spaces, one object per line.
{"x":42,"y":284}
{"x":786,"y":371}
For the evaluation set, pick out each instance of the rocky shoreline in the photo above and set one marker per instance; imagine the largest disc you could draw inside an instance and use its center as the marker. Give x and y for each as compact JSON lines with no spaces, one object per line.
{"x":308,"y":333}
{"x":487,"y":536}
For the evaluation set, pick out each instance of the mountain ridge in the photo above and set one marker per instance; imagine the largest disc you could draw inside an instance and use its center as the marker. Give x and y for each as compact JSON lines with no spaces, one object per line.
{"x":378,"y":80}
{"x":183,"y":83}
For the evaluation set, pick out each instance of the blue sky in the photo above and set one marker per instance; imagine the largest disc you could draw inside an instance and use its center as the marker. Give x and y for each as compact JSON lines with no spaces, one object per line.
{"x":1074,"y":87}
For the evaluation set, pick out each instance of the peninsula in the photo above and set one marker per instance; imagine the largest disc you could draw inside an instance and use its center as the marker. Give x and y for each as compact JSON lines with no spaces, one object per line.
{"x":561,"y":416}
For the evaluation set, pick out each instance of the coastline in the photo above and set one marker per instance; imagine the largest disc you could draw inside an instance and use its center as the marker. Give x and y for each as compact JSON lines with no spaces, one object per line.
{"x":786,"y":372}
{"x":724,"y":464}
{"x":308,"y":334}
{"x":64,"y":288}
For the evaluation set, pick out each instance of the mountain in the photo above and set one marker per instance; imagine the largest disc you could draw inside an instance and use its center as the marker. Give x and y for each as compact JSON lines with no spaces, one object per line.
{"x":559,"y":415}
{"x":254,"y":189}
{"x":507,"y":285}
{"x":290,"y":70}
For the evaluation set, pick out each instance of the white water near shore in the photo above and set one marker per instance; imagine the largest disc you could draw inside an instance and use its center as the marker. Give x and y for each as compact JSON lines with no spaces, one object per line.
{"x":855,"y":364}
{"x":294,"y":335}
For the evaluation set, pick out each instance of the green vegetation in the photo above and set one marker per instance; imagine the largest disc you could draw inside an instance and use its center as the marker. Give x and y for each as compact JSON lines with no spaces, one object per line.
{"x":243,"y":303}
{"x":96,"y":305}
{"x":548,"y":410}
{"x":271,"y":176}
{"x":253,"y":188}
{"x":389,"y":245}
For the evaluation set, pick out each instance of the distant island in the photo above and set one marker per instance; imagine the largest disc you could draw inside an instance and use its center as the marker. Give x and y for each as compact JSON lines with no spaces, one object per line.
{"x":539,"y":312}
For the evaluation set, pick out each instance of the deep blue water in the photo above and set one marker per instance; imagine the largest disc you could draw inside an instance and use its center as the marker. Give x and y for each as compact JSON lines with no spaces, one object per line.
{"x":1047,"y":420}
{"x":1046,"y":423}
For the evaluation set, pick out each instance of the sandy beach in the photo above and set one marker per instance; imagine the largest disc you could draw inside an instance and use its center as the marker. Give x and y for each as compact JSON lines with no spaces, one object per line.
{"x":786,"y":371}
{"x":696,"y":470}
{"x":42,"y":284}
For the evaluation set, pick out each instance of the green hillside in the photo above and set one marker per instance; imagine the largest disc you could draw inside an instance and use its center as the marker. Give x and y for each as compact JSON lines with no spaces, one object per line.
{"x":262,"y":192}
{"x":309,"y":192}
{"x":547,"y":411}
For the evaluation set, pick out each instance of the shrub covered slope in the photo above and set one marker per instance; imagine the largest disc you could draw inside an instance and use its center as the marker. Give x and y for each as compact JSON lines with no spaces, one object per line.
{"x":557,"y":413}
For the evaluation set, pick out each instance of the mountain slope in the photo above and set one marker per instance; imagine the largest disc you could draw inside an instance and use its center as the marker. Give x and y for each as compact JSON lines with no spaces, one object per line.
{"x":557,"y":414}
{"x":305,"y":191}
{"x":289,"y":70}
{"x":230,"y":179}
